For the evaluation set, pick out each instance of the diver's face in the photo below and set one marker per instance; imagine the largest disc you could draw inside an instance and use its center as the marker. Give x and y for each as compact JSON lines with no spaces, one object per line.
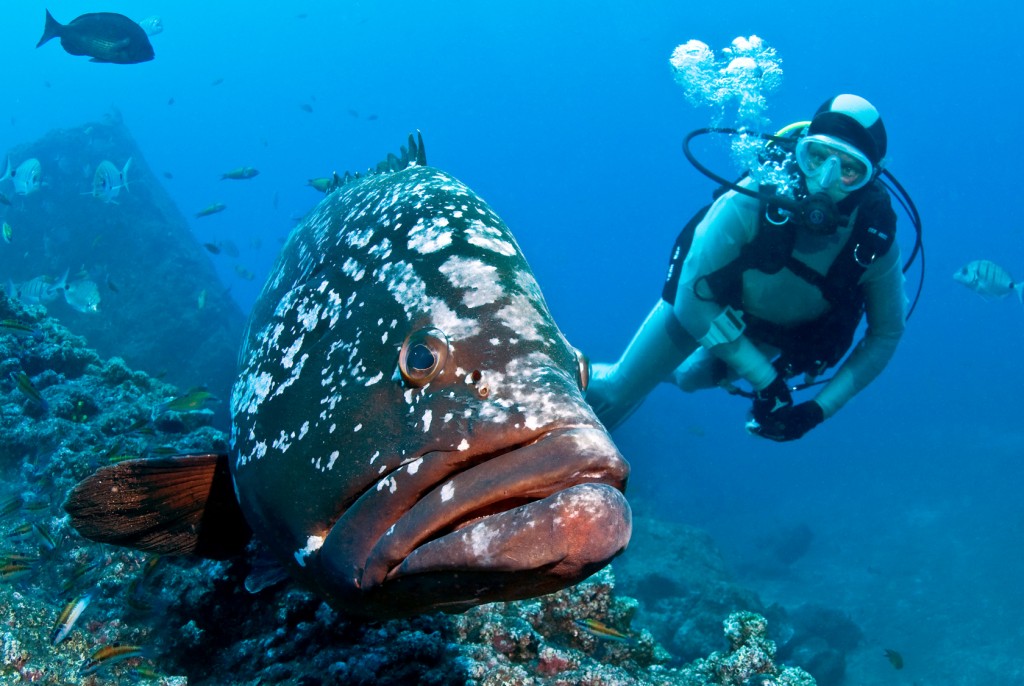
{"x":835,"y":190}
{"x":832,"y":166}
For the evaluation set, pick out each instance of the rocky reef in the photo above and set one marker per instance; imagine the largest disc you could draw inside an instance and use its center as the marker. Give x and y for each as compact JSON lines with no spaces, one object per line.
{"x":64,"y":410}
{"x":157,"y":286}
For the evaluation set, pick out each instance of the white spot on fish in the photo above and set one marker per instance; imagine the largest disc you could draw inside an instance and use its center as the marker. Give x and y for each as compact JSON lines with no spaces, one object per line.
{"x":295,"y":375}
{"x":427,"y":417}
{"x":303,"y":430}
{"x":333,"y":457}
{"x":308,"y":316}
{"x":481,"y":538}
{"x":489,"y":238}
{"x":359,"y":239}
{"x":353,"y":269}
{"x":426,"y":239}
{"x":388,"y":483}
{"x":281,"y":443}
{"x":474,"y":276}
{"x":464,"y":445}
{"x":248,"y":396}
{"x":410,"y":291}
{"x":259,"y":449}
{"x":376,"y":377}
{"x":414,"y":466}
{"x":447,"y":492}
{"x":288,"y":359}
{"x":522,"y":317}
{"x":381,"y":251}
{"x":357,"y":427}
{"x":313,"y":544}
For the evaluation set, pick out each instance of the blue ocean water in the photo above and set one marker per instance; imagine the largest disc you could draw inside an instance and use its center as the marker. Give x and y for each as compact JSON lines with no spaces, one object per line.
{"x":566,"y":119}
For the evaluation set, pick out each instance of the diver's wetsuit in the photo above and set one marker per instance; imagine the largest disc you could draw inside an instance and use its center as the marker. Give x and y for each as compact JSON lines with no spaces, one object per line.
{"x":783,"y":298}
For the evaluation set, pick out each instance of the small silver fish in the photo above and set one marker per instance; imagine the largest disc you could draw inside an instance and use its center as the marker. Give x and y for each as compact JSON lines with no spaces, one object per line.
{"x":83,"y":295}
{"x":37,"y":291}
{"x":109,"y":180}
{"x":988,"y":279}
{"x":27,"y":178}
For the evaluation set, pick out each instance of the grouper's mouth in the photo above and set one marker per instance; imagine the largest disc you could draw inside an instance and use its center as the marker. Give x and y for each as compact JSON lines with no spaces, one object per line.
{"x":524,"y":521}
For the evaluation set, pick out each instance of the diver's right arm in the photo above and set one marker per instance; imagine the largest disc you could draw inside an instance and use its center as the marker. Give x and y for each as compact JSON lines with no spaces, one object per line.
{"x":730,"y":224}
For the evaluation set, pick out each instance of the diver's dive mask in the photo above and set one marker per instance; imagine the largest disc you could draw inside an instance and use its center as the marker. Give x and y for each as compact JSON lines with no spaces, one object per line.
{"x":830,"y":162}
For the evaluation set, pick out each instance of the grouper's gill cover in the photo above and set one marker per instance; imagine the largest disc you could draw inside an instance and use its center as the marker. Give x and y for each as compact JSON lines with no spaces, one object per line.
{"x":409,"y":429}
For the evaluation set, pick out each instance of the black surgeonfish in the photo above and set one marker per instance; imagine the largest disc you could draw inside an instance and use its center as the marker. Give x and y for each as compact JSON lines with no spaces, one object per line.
{"x":103,"y":36}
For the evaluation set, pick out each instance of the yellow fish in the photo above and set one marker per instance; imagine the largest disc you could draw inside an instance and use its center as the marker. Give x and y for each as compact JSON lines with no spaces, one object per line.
{"x":192,"y":400}
{"x":599,"y":629}
{"x":109,"y":655}
{"x":68,"y":616}
{"x":895,"y":659}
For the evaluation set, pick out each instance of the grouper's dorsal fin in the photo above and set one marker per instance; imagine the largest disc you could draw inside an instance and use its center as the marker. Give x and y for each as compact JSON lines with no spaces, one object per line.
{"x":415,"y":155}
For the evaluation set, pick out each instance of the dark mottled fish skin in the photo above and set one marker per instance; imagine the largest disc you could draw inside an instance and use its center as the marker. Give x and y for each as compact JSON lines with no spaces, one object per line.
{"x":103,"y":36}
{"x":494,"y":481}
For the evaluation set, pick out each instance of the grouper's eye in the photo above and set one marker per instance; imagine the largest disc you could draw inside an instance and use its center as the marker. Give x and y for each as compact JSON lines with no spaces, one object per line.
{"x":584,"y":369}
{"x":422,"y":357}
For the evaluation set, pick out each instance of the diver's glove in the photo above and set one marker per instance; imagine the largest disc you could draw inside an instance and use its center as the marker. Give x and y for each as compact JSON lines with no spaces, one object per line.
{"x":772,"y":399}
{"x":789,"y":424}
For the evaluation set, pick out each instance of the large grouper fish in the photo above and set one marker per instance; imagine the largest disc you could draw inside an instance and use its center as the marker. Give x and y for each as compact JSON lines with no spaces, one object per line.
{"x":409,"y":431}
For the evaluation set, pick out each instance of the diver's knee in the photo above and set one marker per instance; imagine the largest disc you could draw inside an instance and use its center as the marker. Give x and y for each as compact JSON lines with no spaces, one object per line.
{"x":700,"y":371}
{"x":601,"y":388}
{"x":607,"y":395}
{"x":686,"y":381}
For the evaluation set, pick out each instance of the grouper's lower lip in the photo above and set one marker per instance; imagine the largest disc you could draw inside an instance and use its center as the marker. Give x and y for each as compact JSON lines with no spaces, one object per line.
{"x":567,"y":535}
{"x":553,"y":507}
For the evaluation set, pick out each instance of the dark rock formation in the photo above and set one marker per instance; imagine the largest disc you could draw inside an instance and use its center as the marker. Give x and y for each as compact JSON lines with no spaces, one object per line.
{"x":138,"y":249}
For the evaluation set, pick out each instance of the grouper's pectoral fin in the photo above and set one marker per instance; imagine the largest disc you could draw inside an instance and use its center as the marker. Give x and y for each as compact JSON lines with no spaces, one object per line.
{"x":180,"y":505}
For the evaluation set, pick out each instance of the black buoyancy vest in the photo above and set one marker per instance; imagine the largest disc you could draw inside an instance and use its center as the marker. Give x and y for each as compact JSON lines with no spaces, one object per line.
{"x":813,"y":346}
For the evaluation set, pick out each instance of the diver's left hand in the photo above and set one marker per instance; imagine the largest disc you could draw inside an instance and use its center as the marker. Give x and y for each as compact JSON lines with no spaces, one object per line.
{"x":789,"y":423}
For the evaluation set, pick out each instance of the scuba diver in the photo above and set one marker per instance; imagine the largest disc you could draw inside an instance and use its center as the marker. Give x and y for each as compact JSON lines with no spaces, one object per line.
{"x":768,"y":282}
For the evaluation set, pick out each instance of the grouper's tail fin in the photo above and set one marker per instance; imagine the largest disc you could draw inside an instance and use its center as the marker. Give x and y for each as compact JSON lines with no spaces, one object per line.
{"x":415,"y":155}
{"x":179,"y":505}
